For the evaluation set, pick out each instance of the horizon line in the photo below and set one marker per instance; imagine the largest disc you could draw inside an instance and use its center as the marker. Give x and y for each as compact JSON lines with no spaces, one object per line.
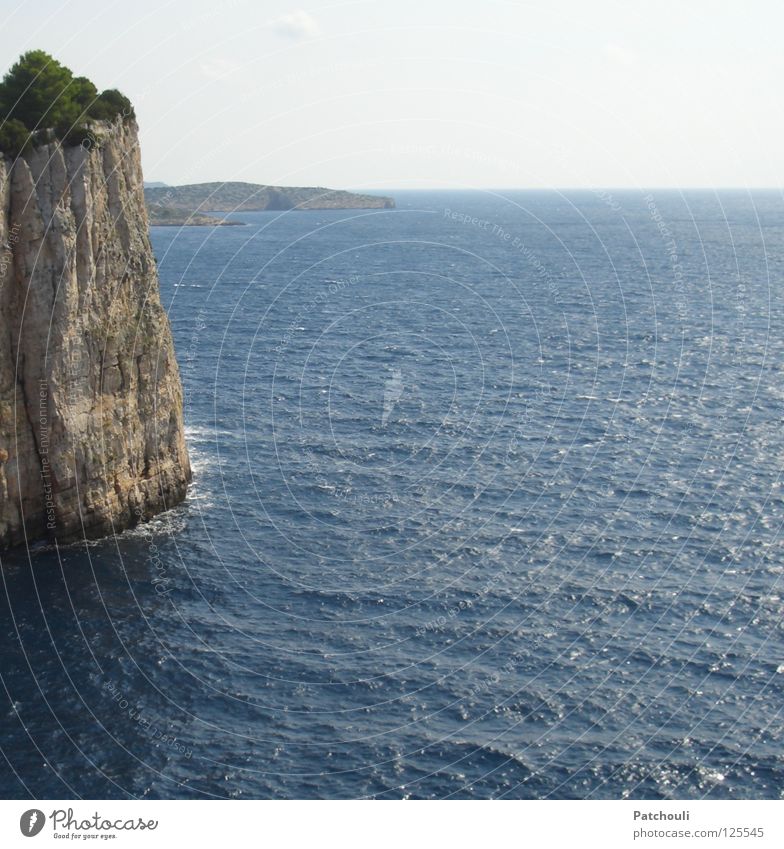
{"x":570,"y":189}
{"x":597,"y":188}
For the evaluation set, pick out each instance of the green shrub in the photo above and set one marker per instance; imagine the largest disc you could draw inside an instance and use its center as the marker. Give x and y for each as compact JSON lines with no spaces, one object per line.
{"x":76,"y":134}
{"x":39,"y":95}
{"x":34,"y":91}
{"x":15,"y":138}
{"x":110,"y":104}
{"x":83,"y":93}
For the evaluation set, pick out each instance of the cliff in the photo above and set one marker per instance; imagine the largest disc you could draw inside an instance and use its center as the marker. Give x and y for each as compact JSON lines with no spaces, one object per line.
{"x":248,"y":197}
{"x":91,"y":431}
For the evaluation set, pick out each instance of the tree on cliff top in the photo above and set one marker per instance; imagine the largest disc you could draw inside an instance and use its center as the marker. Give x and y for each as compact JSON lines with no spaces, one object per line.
{"x":39,"y":95}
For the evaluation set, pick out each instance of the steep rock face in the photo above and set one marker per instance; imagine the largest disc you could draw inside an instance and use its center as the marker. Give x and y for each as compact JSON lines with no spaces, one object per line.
{"x":91,"y":431}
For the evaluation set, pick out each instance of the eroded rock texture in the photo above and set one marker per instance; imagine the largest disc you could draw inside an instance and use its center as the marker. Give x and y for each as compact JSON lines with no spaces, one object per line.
{"x":91,"y":431}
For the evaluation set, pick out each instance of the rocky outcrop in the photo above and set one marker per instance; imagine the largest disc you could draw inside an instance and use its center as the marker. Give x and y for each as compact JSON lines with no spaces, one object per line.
{"x":163,"y":216}
{"x":91,"y":431}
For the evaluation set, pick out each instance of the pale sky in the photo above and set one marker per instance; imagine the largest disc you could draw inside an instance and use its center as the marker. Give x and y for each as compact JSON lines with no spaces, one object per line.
{"x":433,"y":93}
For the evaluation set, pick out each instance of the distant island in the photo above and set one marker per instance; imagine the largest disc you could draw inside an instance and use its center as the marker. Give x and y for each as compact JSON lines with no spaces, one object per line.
{"x":167,"y":216}
{"x":191,"y":204}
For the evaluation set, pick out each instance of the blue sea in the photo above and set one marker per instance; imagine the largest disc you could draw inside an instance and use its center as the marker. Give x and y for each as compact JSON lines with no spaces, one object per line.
{"x":487,"y":504}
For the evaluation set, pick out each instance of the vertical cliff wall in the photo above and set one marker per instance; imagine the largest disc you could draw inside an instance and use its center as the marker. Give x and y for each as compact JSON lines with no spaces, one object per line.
{"x":91,"y":431}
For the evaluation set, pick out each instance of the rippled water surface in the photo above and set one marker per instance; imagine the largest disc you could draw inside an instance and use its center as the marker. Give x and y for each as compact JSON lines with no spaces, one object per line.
{"x":487,"y":504}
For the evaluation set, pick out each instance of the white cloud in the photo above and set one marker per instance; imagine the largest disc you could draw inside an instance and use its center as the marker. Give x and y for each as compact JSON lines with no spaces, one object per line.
{"x":298,"y":25}
{"x":219,"y":68}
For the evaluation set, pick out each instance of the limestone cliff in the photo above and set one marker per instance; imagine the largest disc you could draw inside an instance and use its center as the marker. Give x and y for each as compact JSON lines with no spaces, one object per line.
{"x":91,"y":431}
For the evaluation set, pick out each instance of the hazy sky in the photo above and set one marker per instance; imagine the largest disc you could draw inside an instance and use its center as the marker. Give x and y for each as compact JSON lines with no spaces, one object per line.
{"x":421,"y":93}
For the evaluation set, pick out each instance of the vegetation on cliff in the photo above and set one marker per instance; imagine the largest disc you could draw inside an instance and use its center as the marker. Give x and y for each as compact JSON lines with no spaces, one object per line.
{"x":41,"y":99}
